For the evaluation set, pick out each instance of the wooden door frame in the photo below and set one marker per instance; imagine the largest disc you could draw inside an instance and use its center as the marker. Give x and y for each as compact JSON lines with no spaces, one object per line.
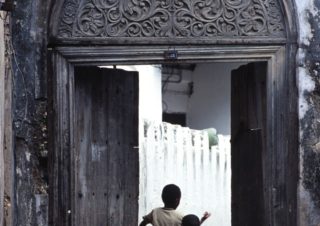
{"x":282,"y":116}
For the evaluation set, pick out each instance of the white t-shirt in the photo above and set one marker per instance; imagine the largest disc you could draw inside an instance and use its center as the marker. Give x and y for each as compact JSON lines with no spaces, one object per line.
{"x":164,"y":217}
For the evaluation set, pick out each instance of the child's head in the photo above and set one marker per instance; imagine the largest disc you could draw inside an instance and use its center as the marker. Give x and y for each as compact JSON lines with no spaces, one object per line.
{"x":171,"y":195}
{"x":190,"y":220}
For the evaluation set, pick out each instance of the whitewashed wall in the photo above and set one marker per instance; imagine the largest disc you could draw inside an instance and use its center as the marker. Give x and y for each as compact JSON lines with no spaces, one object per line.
{"x":308,"y":213}
{"x":209,"y":104}
{"x":177,"y":102}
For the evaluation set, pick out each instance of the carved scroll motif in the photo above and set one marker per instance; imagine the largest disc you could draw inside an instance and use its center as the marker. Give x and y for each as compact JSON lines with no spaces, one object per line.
{"x":171,"y":18}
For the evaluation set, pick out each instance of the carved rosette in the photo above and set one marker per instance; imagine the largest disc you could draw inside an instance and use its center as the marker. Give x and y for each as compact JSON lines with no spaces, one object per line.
{"x":171,"y":18}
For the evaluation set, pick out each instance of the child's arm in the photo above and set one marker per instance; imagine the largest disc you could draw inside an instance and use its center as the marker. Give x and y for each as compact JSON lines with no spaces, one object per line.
{"x":206,"y":215}
{"x":146,"y":220}
{"x":144,"y":223}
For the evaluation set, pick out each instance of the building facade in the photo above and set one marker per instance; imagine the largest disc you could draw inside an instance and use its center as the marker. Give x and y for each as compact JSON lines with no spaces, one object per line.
{"x":40,"y":40}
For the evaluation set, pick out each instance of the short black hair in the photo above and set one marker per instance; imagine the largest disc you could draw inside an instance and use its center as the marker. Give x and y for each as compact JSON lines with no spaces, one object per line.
{"x":170,"y":194}
{"x":190,"y":220}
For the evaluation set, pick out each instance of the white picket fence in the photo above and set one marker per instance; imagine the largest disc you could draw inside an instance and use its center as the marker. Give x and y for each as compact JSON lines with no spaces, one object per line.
{"x":174,"y":154}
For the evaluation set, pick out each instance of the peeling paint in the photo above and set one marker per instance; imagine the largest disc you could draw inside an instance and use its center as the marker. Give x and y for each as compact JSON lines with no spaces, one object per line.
{"x":317,"y":148}
{"x":28,"y":154}
{"x":304,"y":8}
{"x":306,"y":208}
{"x":309,"y":107}
{"x":19,"y":172}
{"x":33,"y":35}
{"x":306,"y":84}
{"x":41,"y":209}
{"x":96,"y":151}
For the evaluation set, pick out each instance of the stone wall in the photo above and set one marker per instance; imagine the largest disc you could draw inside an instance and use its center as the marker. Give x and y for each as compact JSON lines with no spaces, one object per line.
{"x":308,"y":70}
{"x":29,"y":56}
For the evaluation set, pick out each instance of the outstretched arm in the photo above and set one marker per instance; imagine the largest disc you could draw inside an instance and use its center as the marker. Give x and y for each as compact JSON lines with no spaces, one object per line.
{"x":206,"y":215}
{"x":143,"y":223}
{"x":146,"y":220}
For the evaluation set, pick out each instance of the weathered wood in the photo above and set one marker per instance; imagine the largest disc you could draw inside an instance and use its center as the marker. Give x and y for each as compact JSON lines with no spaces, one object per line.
{"x":106,"y":177}
{"x":278,"y":214}
{"x":292,"y":125}
{"x":147,"y":54}
{"x":2,"y":118}
{"x":60,"y":183}
{"x":8,"y":139}
{"x":279,"y":124}
{"x":249,"y":183}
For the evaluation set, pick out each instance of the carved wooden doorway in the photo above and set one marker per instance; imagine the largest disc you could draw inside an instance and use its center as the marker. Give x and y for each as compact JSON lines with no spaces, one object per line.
{"x":67,"y":59}
{"x":99,"y":32}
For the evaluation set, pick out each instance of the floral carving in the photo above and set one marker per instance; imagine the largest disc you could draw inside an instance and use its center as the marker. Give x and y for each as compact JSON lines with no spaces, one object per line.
{"x":68,"y":18}
{"x":171,"y":18}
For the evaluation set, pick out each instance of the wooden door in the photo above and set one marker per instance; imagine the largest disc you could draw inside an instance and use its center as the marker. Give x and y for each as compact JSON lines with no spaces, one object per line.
{"x":248,"y":138}
{"x":106,"y":162}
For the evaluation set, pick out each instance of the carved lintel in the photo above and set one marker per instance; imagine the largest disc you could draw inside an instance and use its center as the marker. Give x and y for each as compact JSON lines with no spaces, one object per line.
{"x":170,"y":19}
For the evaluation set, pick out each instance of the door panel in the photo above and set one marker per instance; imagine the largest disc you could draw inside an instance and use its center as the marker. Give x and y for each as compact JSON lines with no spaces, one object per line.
{"x":106,"y":130}
{"x":248,"y":129}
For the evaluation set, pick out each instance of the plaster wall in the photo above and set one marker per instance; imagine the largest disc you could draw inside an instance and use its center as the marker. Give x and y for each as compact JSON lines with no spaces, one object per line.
{"x":308,"y":69}
{"x":175,"y":95}
{"x":209,"y":103}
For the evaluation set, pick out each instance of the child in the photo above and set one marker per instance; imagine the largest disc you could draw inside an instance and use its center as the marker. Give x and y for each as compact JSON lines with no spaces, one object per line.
{"x":193,"y":220}
{"x":167,"y":215}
